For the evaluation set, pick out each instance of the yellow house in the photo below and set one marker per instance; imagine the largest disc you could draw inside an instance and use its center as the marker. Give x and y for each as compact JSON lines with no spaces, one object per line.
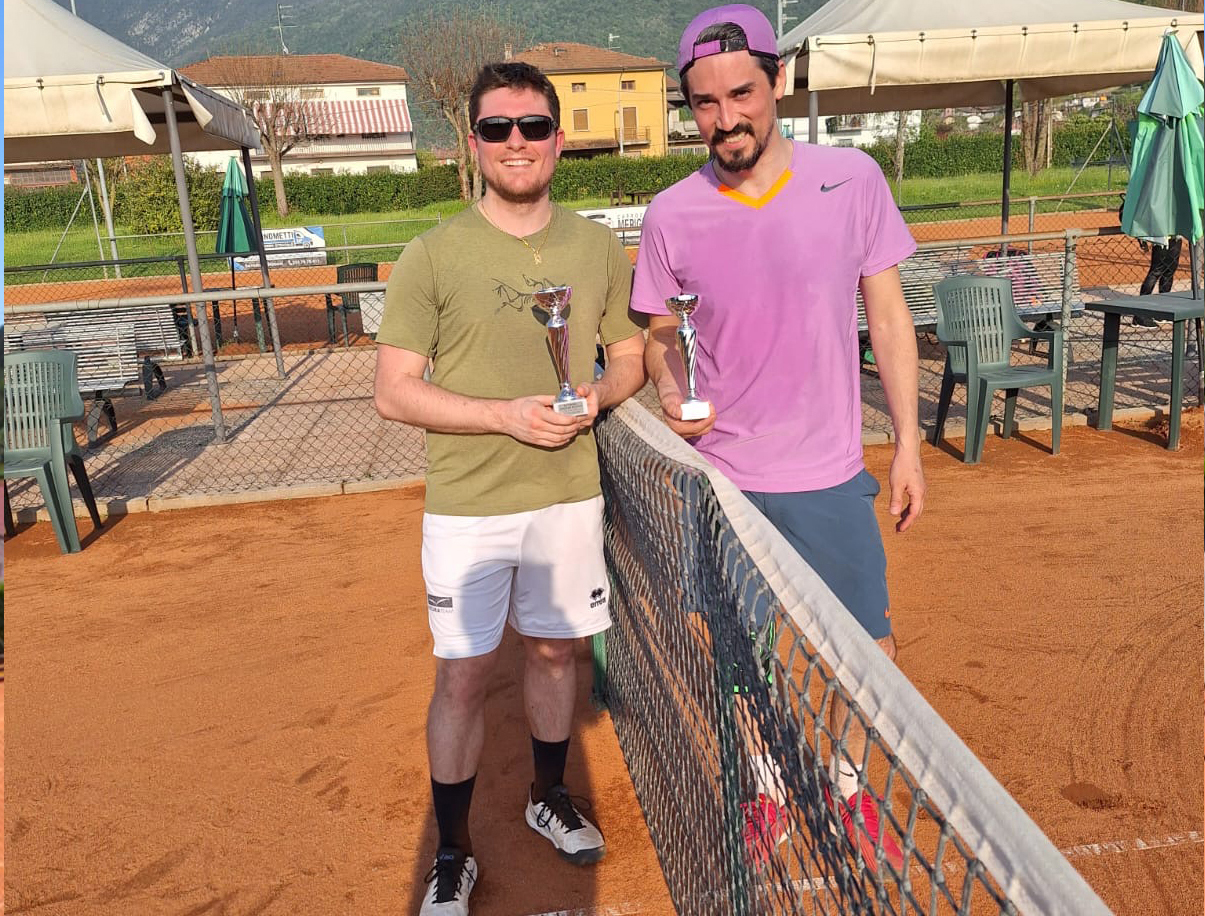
{"x":611,"y":102}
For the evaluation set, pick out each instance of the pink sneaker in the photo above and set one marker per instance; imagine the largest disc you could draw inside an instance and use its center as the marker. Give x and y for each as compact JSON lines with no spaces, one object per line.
{"x":864,"y":838}
{"x":765,"y":829}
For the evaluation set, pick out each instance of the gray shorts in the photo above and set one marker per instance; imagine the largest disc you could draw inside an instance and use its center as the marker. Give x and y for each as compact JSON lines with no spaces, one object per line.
{"x":836,"y":532}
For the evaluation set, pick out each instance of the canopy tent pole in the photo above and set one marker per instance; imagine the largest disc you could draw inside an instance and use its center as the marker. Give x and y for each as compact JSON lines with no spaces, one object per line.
{"x":194,"y":265}
{"x":813,"y":117}
{"x":83,"y":164}
{"x":269,"y":304}
{"x":107,"y":206}
{"x":1008,"y":154}
{"x":1194,"y":263}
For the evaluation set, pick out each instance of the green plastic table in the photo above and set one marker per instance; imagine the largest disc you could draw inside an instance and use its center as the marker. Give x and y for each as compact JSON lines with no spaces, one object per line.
{"x":1178,"y":308}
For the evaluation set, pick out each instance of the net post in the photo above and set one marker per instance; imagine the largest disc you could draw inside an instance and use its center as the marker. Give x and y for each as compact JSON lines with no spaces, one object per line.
{"x":598,"y":651}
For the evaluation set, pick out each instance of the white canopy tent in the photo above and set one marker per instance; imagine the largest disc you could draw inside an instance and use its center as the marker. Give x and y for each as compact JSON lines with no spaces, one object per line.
{"x":858,"y":56}
{"x":72,"y":91}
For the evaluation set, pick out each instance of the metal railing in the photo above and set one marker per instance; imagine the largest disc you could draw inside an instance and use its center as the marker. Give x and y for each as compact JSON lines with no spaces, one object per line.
{"x":635,"y":135}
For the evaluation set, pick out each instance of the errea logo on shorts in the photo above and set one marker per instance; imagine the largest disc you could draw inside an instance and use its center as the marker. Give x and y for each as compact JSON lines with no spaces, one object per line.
{"x":437,"y":605}
{"x":597,"y":597}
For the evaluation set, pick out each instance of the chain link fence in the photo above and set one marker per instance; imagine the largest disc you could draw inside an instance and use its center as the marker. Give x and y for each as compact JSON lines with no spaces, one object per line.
{"x":970,"y":219}
{"x":1101,"y":264}
{"x":164,"y":425}
{"x":154,"y":427}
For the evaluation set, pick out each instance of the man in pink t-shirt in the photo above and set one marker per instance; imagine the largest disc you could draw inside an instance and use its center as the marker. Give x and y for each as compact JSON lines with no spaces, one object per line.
{"x":776,"y":238}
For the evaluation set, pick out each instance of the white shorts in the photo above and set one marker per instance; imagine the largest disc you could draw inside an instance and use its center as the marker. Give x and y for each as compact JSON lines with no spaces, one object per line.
{"x":542,"y":570}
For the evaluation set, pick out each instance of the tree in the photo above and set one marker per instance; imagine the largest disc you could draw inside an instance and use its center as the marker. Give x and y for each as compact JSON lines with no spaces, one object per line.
{"x":901,"y":136}
{"x":270,"y":88}
{"x":443,"y":51}
{"x":1036,"y":134}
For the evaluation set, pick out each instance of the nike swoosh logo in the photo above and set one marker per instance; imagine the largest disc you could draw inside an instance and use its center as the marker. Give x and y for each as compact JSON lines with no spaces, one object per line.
{"x":825,"y":188}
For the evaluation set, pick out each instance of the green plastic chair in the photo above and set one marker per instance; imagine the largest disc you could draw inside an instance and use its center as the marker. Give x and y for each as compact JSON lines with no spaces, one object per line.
{"x":978,"y":323}
{"x":41,"y":398}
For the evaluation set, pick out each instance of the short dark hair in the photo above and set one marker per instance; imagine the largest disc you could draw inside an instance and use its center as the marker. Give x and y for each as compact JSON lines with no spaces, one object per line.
{"x":512,"y":74}
{"x":734,"y":39}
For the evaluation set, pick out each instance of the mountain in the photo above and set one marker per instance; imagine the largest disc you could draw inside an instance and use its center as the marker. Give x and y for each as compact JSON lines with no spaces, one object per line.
{"x":179,"y":32}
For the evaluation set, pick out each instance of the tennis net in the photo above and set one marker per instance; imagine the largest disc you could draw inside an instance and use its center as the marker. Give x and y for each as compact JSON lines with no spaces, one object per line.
{"x":720,"y":673}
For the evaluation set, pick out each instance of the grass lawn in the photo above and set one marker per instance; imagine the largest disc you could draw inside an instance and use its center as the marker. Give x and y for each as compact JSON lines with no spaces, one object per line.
{"x":38,"y":246}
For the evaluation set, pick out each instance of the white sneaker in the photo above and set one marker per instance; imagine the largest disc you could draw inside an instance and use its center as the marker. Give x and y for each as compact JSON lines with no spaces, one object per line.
{"x":449,"y":883}
{"x":557,"y":819}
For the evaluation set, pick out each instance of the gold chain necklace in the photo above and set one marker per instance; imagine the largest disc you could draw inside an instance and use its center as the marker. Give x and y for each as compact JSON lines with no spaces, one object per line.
{"x":535,"y":252}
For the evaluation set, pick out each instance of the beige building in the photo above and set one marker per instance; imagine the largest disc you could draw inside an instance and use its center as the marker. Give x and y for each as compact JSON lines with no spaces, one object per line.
{"x":361,"y":105}
{"x":611,"y":102}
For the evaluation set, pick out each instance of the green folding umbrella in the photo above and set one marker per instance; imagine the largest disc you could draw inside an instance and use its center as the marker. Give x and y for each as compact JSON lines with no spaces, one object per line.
{"x":1166,"y":190}
{"x":235,"y":229}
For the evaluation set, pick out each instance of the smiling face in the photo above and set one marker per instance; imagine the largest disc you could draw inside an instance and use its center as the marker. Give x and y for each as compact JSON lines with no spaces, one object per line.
{"x":734,"y":105}
{"x":518,"y":170}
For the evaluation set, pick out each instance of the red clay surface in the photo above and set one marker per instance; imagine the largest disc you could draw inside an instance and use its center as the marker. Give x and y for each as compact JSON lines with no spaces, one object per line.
{"x":221,"y":710}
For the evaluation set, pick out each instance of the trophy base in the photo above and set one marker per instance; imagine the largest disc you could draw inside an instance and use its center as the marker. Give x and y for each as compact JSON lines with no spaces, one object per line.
{"x":694,"y":409}
{"x":571,"y":407}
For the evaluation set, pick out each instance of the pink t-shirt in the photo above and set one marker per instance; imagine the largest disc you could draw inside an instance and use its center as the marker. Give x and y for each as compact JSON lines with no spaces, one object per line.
{"x":777,"y":316}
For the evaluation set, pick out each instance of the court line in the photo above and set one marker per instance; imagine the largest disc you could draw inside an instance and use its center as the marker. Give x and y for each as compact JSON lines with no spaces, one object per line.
{"x":1120,"y":846}
{"x":618,"y":909}
{"x":1111,"y":847}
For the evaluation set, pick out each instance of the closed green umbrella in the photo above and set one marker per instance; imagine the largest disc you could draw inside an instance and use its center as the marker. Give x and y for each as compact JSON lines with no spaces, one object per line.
{"x":1167,"y":172}
{"x":235,"y":229}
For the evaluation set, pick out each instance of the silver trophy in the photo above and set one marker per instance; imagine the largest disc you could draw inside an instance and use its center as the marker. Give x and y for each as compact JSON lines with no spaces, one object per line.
{"x":555,"y":298}
{"x":693,"y":408}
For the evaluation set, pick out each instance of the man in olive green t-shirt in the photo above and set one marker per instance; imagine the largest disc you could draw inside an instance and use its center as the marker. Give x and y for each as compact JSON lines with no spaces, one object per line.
{"x":513,"y":522}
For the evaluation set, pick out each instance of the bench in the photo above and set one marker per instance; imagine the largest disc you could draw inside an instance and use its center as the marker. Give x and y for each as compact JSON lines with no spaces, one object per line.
{"x":113,"y":347}
{"x":105,"y":363}
{"x":156,"y":331}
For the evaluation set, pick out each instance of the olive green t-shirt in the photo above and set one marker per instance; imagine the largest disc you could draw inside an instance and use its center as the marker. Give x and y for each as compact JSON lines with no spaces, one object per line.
{"x":462,"y":295}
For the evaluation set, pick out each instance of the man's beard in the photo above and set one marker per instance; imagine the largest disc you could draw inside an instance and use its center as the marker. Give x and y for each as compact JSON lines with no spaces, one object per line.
{"x":512,"y":195}
{"x":741,"y":162}
{"x":528,"y":196}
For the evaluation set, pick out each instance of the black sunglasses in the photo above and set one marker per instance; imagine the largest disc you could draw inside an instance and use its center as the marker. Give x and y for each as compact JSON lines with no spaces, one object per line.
{"x":532,"y":127}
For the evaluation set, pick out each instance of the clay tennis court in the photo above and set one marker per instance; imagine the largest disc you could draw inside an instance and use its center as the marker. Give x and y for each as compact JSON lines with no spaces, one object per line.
{"x":221,"y":710}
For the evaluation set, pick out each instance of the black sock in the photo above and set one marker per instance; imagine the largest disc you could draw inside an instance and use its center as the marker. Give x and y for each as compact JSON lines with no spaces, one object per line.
{"x":452,"y":801}
{"x":550,"y":765}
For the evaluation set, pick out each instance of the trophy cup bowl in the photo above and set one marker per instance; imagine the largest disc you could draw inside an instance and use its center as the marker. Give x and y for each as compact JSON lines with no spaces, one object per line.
{"x":693,"y":407}
{"x":553,"y":299}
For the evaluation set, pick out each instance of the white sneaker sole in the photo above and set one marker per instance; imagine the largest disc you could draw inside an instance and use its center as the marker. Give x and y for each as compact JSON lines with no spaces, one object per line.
{"x":581,"y":857}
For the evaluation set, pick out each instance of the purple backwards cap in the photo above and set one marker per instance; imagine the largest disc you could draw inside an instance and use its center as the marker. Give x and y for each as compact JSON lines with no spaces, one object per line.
{"x":758,"y":33}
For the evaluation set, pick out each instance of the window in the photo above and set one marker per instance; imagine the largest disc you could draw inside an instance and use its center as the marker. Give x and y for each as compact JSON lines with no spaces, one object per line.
{"x":311,"y":93}
{"x":581,"y":119}
{"x":322,"y":171}
{"x":373,"y":136}
{"x":579,"y":87}
{"x":374,"y":169}
{"x":255,"y":95}
{"x":627,"y":85}
{"x":367,"y":92}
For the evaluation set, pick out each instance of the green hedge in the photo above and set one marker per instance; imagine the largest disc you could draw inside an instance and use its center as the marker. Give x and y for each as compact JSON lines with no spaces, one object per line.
{"x":930,"y":156}
{"x":598,"y":177}
{"x":145,"y":200}
{"x":379,"y":192}
{"x":40,"y":208}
